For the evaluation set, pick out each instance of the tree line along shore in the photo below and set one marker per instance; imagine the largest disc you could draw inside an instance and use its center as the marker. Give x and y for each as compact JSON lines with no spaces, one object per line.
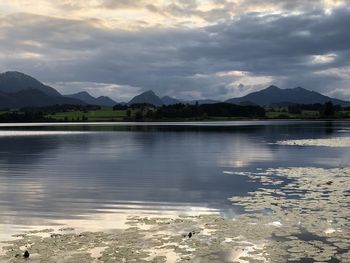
{"x":176,"y":112}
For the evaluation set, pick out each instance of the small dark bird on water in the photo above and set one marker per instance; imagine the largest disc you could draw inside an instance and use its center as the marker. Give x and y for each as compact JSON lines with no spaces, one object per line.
{"x":26,"y":254}
{"x":189,"y":235}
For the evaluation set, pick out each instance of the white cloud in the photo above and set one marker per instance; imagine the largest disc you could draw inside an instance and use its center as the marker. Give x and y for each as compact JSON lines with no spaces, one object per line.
{"x":130,"y":14}
{"x":323,"y":59}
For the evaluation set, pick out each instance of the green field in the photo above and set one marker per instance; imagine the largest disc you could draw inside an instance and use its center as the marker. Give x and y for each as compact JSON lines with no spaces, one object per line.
{"x":105,"y":114}
{"x":304,"y":115}
{"x":281,"y":115}
{"x":108,"y":114}
{"x":343,"y":114}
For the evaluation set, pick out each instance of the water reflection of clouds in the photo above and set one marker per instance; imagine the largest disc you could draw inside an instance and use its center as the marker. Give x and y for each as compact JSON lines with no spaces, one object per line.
{"x":90,"y":177}
{"x":48,"y":178}
{"x":12,"y":133}
{"x":108,"y":217}
{"x":241,"y":151}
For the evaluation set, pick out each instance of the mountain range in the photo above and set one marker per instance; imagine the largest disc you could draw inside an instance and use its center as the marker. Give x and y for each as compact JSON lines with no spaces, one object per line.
{"x":20,"y":90}
{"x":266,"y":97}
{"x":274,"y":95}
{"x":87,"y":98}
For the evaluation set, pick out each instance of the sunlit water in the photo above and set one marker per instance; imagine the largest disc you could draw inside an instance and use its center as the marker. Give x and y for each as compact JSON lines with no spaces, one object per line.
{"x":91,"y":175}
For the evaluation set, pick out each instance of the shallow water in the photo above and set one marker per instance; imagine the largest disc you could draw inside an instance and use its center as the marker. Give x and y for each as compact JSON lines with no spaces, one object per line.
{"x":91,"y":175}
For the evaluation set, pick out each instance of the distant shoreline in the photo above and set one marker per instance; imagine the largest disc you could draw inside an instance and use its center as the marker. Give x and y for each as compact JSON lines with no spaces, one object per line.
{"x":173,"y":113}
{"x":163,"y":122}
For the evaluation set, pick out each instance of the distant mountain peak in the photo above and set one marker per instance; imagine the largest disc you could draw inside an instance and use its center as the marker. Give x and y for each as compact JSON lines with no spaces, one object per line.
{"x":14,"y":81}
{"x":147,"y":97}
{"x":84,"y":93}
{"x":89,"y":99}
{"x":12,"y":73}
{"x":15,"y":76}
{"x":301,"y":89}
{"x":272,"y":87}
{"x":274,"y":95}
{"x":151,"y":92}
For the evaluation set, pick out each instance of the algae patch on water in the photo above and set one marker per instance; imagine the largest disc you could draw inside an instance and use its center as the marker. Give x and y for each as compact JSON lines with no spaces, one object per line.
{"x":312,"y":208}
{"x":166,"y":240}
{"x":331,"y":142}
{"x":297,"y":214}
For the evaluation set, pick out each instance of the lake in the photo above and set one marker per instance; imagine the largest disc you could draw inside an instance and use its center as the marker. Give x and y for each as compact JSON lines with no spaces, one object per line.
{"x":58,"y":173}
{"x":92,"y":176}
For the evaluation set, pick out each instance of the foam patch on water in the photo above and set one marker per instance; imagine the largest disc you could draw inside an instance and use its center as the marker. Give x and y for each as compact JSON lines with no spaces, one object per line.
{"x":332,"y":142}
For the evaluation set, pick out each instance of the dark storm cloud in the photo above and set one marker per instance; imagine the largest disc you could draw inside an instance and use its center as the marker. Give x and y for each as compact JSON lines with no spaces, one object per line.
{"x":292,"y":50}
{"x":275,"y":45}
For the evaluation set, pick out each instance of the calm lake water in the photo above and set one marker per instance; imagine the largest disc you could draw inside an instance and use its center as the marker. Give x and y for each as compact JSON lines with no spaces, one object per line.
{"x":53,"y":174}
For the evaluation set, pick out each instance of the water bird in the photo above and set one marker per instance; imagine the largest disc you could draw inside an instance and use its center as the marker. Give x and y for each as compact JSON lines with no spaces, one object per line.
{"x":26,"y":254}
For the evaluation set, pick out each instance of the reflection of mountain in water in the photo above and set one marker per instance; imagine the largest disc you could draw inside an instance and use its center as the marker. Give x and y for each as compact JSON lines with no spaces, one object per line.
{"x":31,"y":149}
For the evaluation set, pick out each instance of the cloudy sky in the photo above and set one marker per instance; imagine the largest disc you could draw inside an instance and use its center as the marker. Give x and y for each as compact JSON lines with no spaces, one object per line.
{"x":183,"y":48}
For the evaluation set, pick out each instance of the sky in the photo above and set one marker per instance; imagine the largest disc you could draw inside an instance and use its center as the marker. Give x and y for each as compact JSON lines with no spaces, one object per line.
{"x":191,"y":49}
